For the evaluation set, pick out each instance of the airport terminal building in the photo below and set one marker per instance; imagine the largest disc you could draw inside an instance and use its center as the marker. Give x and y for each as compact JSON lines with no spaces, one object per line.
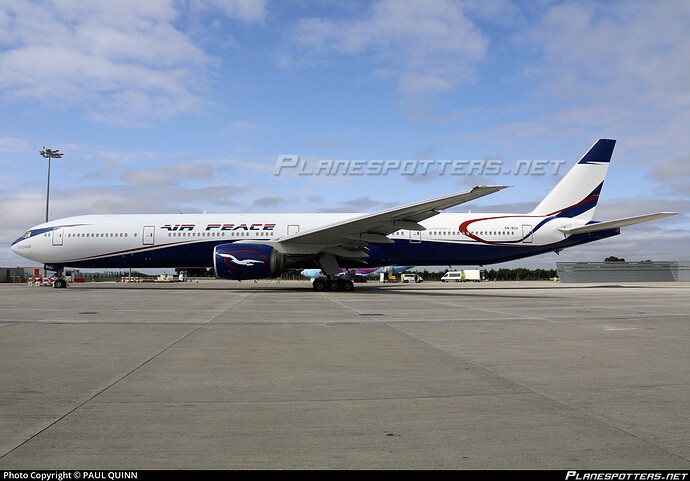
{"x":643,"y":271}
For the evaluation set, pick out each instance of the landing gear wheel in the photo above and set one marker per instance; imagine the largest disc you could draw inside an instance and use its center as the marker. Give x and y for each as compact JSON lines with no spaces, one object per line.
{"x":333,"y":285}
{"x":319,"y":285}
{"x":347,"y":285}
{"x":60,"y":283}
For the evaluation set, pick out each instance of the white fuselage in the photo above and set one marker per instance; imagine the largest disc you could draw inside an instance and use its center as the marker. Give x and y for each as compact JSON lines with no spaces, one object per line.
{"x":125,"y":240}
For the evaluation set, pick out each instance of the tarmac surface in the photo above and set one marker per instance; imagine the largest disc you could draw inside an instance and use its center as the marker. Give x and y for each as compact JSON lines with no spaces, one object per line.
{"x":228,"y":375}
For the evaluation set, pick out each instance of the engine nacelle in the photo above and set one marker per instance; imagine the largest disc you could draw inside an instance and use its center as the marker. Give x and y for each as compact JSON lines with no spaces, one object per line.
{"x":246,"y":261}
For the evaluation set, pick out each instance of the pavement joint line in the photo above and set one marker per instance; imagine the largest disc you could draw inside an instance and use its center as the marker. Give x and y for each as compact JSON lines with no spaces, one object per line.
{"x":342,"y":304}
{"x":364,"y":319}
{"x":232,"y":303}
{"x":331,"y":400}
{"x":546,"y":396}
{"x":581,"y":324}
{"x":104,"y":389}
{"x":534,"y":318}
{"x":24,"y":309}
{"x":571,"y":321}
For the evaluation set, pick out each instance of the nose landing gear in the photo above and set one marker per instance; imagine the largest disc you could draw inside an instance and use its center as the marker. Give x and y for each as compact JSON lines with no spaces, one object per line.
{"x":60,"y":282}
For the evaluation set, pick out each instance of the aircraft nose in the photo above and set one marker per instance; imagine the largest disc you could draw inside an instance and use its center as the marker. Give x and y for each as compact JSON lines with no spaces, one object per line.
{"x":15,"y":246}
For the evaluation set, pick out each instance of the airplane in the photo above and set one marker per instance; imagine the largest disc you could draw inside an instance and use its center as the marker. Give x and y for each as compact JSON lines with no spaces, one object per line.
{"x":412,"y":234}
{"x":364,"y":273}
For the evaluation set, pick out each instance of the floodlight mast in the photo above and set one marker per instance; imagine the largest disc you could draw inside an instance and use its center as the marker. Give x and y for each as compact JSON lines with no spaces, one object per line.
{"x":49,"y":154}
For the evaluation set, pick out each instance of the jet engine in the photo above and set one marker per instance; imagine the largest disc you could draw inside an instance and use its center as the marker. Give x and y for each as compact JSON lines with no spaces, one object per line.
{"x":246,"y":261}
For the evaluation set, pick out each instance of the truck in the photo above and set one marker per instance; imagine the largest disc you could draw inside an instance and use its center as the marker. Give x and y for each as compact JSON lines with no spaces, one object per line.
{"x":474,"y":275}
{"x":468,"y":275}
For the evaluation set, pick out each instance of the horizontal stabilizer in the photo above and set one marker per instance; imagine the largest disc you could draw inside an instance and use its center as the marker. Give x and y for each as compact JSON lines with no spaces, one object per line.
{"x":612,"y":224}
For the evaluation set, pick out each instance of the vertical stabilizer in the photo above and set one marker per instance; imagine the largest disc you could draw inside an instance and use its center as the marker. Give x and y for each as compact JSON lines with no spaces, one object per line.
{"x":577,"y":193}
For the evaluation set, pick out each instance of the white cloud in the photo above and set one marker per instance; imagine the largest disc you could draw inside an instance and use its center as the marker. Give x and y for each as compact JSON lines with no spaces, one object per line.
{"x":13,"y":144}
{"x":170,"y":174}
{"x":361,"y":204}
{"x":428,"y":46}
{"x":596,"y":70}
{"x":671,"y":169}
{"x":123,"y":60}
{"x":247,"y":10}
{"x":623,"y":66}
{"x":635,"y":50}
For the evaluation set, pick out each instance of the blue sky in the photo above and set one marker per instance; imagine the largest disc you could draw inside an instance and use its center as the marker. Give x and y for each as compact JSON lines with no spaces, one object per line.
{"x":174,"y":106}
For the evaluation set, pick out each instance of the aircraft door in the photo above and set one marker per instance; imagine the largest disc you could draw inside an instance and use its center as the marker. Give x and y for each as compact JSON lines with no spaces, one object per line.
{"x":415,"y":236}
{"x":527,"y":233}
{"x":292,"y":229}
{"x":149,"y":233}
{"x":57,"y":237}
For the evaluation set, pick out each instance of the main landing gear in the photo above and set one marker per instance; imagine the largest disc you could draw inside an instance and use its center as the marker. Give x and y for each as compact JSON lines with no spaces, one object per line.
{"x":329,"y":265}
{"x":333,"y":285}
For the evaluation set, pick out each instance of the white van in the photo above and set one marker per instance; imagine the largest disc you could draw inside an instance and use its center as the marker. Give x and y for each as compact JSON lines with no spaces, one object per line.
{"x":411,"y":278}
{"x":452,"y":276}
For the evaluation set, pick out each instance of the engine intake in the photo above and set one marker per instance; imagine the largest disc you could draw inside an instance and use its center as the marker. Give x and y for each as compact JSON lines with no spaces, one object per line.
{"x":246,"y":261}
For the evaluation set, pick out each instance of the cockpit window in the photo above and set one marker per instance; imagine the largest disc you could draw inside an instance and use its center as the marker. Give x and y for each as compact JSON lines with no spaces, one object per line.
{"x":27,"y":235}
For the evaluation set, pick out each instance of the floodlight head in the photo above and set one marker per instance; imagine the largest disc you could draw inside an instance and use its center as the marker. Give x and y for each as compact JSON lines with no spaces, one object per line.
{"x":47,"y":153}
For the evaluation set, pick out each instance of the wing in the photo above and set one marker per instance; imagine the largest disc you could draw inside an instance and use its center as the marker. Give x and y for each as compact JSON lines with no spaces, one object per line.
{"x":348,"y":239}
{"x":612,"y":224}
{"x":375,"y":227}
